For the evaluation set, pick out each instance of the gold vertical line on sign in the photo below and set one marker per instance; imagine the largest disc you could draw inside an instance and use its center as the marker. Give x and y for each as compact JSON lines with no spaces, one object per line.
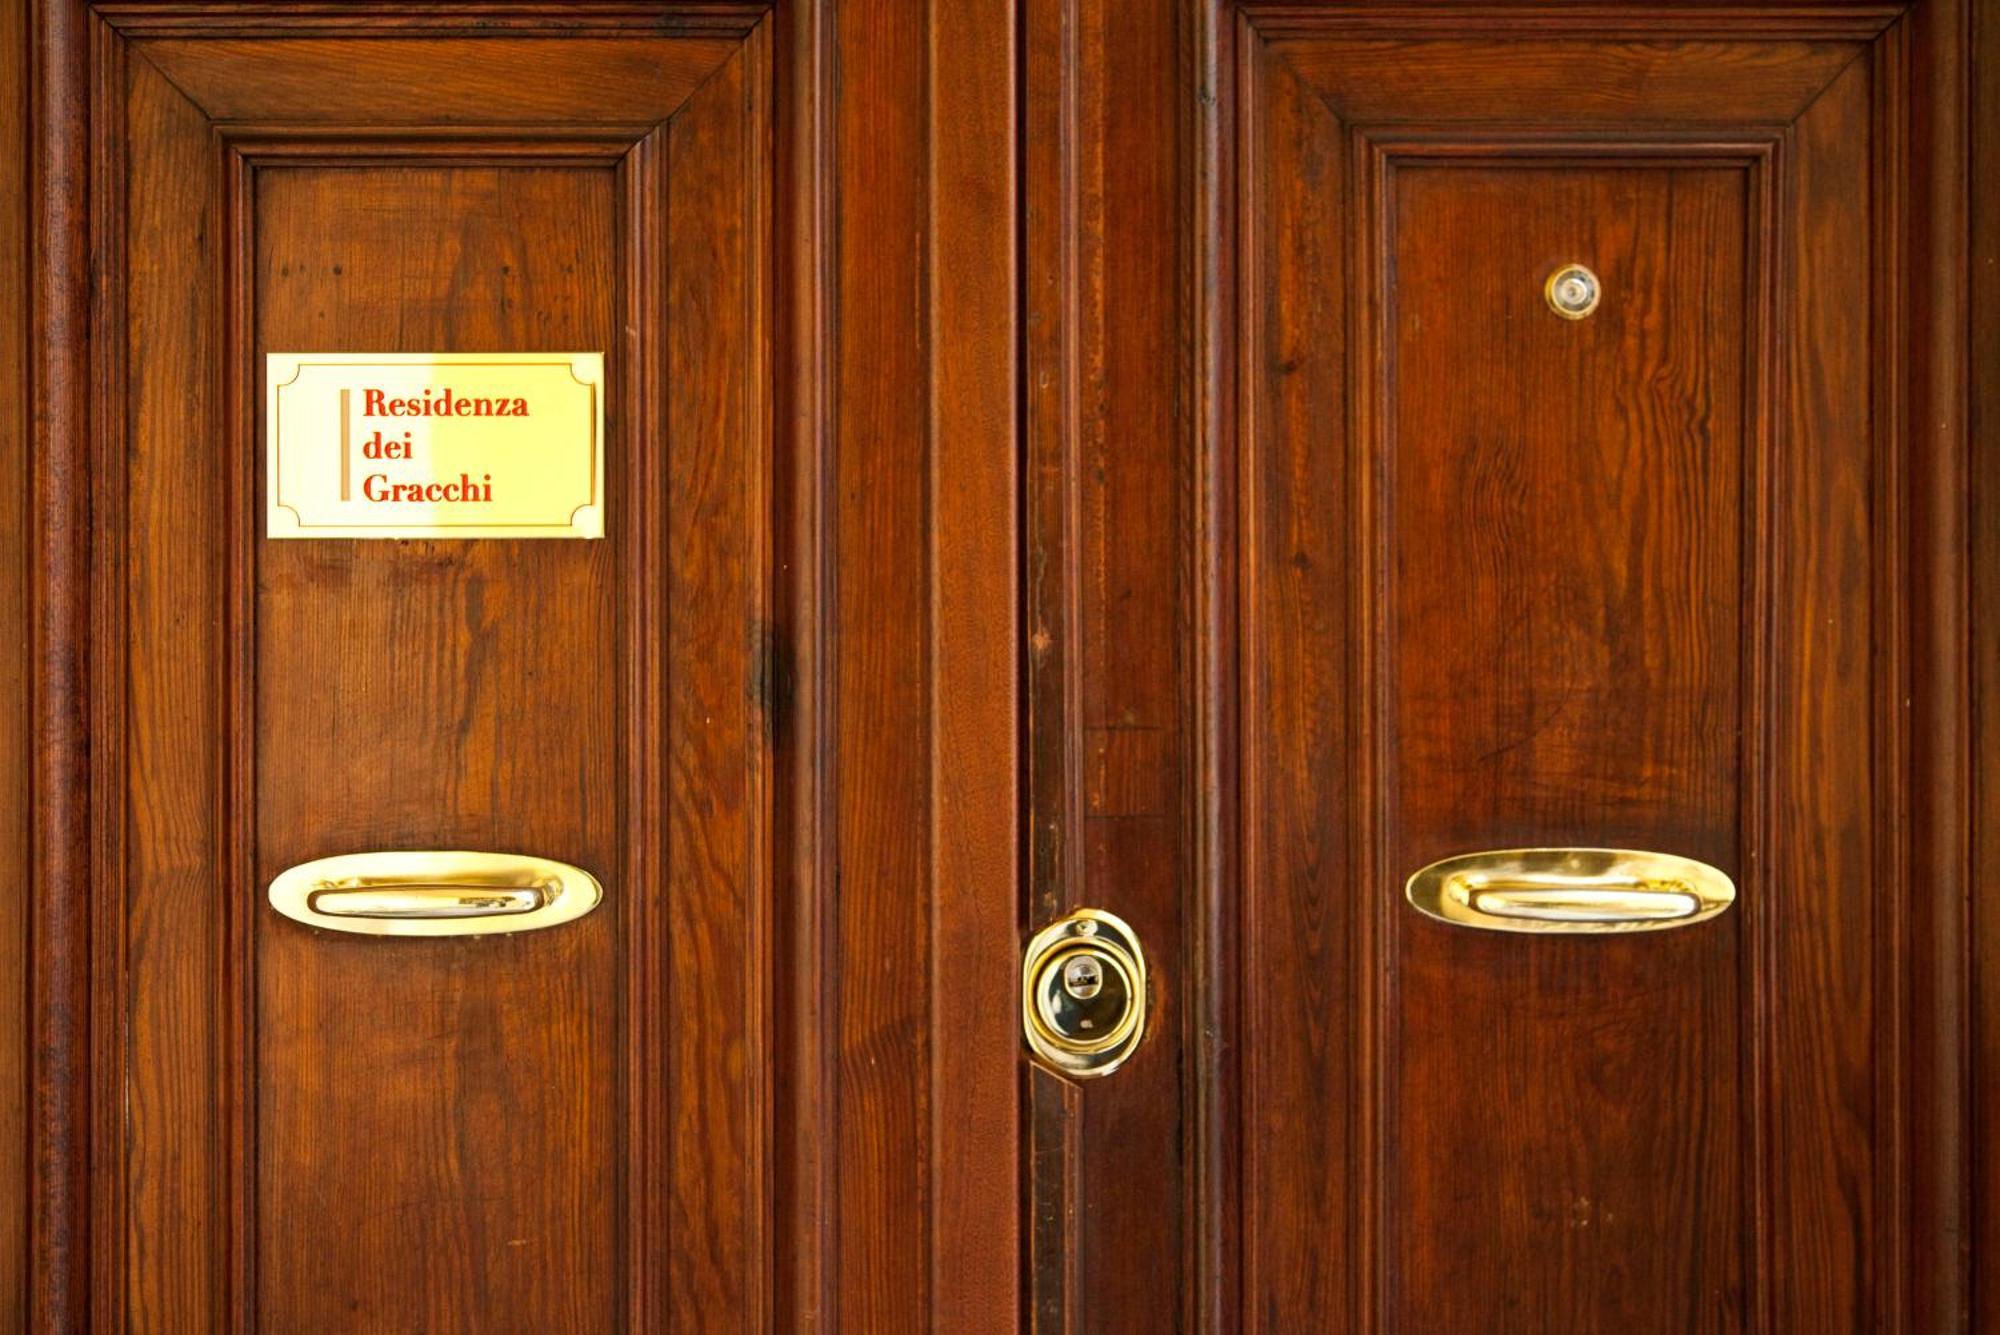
{"x":346,"y":449}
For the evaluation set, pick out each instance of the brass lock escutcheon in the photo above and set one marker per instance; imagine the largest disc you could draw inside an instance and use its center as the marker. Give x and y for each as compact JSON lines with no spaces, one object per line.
{"x":1083,"y":994}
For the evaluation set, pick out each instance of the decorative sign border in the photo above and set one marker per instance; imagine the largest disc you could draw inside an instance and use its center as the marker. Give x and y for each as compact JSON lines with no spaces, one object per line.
{"x":285,"y":519}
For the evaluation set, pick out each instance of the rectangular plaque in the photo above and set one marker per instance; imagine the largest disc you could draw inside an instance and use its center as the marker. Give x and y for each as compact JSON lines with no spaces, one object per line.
{"x":434,"y":444}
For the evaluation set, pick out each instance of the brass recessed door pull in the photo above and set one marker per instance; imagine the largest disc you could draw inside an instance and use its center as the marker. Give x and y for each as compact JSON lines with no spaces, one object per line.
{"x":1083,"y":994}
{"x":434,"y":893}
{"x":1574,"y":890}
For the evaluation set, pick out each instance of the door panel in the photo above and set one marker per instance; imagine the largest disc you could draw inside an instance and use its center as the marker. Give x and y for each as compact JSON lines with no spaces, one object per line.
{"x":478,"y":701}
{"x":1455,"y":574}
{"x":1563,"y":664}
{"x":675,"y":1111}
{"x":450,"y":1117}
{"x":1631,"y":580}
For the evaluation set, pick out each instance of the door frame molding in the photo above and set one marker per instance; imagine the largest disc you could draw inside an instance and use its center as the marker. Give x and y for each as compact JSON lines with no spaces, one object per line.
{"x":64,"y":1118}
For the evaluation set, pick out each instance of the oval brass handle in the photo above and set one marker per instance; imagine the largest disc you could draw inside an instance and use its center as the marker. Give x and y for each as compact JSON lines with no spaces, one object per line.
{"x":1578,"y":890}
{"x":434,"y":893}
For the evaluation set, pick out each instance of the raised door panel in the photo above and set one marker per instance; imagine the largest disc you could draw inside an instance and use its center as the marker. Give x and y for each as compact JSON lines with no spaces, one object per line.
{"x":1514,"y":580}
{"x":563,"y":1129}
{"x":1563,"y":664}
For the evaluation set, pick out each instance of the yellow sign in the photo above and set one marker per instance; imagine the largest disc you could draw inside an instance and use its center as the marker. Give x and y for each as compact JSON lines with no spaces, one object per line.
{"x":434,"y":444}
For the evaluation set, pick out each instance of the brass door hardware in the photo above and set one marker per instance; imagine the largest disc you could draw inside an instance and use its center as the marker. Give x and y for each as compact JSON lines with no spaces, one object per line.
{"x":1579,"y":890}
{"x":1083,"y":994}
{"x":1572,"y":291}
{"x":434,"y":893}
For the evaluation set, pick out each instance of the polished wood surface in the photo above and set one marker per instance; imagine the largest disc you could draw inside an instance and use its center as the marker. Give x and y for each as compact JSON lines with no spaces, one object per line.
{"x":1562,"y":657}
{"x":530,"y":1110}
{"x":773,"y":709}
{"x":974,"y":562}
{"x":15,"y":669}
{"x":68,"y":1116}
{"x":1645,"y":580}
{"x":467,"y":679}
{"x":1108,"y":523}
{"x":1103,"y":452}
{"x":1982,"y":738}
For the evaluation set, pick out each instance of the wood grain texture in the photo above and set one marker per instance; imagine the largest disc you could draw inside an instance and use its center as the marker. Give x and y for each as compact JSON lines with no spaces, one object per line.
{"x":1108,"y":564}
{"x":881,"y":585}
{"x":781,"y":1121}
{"x":1827,"y":992}
{"x":1442,"y":650}
{"x":716,"y":949}
{"x":65,"y":1115}
{"x":643,"y":1119}
{"x":1942,"y":1135}
{"x":1561,"y":663}
{"x":974,"y":770}
{"x":177,"y":1222}
{"x":1983,"y":264}
{"x":800,"y":684}
{"x":381,"y":18}
{"x":576,"y":80}
{"x":465,"y":1094}
{"x":1215,"y":985}
{"x":922,"y":578}
{"x":15,"y":669}
{"x":1303,"y":1014}
{"x":1631,"y":82}
{"x":1061,"y":248}
{"x":567,"y":1130}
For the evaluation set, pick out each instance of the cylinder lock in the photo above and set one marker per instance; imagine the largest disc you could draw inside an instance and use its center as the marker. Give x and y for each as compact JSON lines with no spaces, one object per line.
{"x":1083,"y":994}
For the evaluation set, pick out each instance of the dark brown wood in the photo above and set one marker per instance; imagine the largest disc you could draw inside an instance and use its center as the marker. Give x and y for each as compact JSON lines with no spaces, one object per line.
{"x":1473,"y":566}
{"x":1944,"y":1139}
{"x":800,"y":673}
{"x":1215,"y":983}
{"x":1111,"y":721}
{"x":15,"y":670}
{"x":64,"y":1119}
{"x":974,"y":1254}
{"x":1060,"y":287}
{"x":905,"y":1186}
{"x":712,"y":957}
{"x":1983,"y":264}
{"x":878,"y":953}
{"x":650,"y":1118}
{"x":1034,"y":425}
{"x":1982,"y":235}
{"x":1562,"y":662}
{"x":442,"y":740}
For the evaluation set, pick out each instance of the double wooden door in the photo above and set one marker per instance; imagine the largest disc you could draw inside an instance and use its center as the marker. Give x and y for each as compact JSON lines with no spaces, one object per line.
{"x":1205,"y":462}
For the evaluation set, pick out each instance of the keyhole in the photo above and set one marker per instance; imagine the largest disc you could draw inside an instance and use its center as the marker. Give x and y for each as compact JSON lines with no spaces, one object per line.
{"x":1082,"y":978}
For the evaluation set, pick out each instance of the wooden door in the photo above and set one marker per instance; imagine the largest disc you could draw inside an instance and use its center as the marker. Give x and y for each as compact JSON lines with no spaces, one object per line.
{"x":1068,"y":452}
{"x":737,"y":1095}
{"x":1370,"y":557}
{"x":1666,"y":575}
